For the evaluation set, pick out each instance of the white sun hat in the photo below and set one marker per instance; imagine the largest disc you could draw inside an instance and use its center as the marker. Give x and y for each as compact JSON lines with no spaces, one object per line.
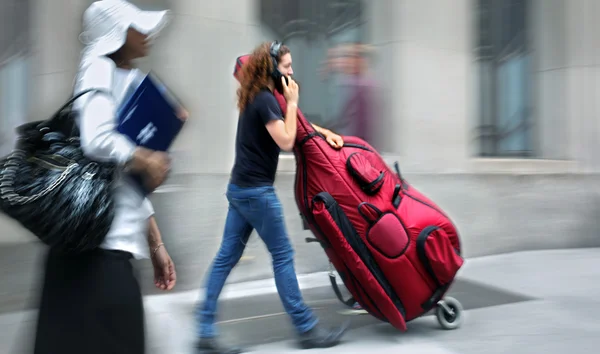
{"x":105,"y":25}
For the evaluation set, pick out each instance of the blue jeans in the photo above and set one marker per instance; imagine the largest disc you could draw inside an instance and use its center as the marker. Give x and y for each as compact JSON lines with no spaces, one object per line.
{"x":255,"y":208}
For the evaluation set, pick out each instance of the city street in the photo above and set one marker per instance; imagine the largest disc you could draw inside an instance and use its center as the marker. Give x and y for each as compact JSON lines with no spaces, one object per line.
{"x":527,"y":302}
{"x":487,"y":107}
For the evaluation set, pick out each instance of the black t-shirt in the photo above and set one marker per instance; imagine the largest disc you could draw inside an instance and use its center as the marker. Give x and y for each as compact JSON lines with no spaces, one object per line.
{"x":256,"y":153}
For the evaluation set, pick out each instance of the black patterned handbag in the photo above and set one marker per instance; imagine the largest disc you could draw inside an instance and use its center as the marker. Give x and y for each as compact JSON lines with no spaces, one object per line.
{"x":52,"y":189}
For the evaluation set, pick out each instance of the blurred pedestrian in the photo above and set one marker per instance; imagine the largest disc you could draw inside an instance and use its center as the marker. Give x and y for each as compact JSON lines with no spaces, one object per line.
{"x":91,"y":303}
{"x":356,"y":115}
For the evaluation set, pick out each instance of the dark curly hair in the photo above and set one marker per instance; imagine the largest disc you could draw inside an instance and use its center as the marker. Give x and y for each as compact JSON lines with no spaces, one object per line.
{"x":256,"y":73}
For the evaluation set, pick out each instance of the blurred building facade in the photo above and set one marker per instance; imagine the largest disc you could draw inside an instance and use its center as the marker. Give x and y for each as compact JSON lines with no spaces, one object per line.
{"x":489,"y":105}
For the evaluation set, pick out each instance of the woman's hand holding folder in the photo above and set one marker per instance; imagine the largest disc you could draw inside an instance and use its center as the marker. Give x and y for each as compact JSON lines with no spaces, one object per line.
{"x":154,"y":166}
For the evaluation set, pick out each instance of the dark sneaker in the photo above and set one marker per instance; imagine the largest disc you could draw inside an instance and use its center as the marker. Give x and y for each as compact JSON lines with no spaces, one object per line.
{"x":211,"y":346}
{"x":322,"y":338}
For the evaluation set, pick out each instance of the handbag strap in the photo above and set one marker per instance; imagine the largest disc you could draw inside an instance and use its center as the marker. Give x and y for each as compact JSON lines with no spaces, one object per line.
{"x":72,"y":100}
{"x":75,"y":97}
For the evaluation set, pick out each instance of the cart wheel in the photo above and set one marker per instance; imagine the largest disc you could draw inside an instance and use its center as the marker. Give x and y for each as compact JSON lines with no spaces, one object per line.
{"x":449,"y":313}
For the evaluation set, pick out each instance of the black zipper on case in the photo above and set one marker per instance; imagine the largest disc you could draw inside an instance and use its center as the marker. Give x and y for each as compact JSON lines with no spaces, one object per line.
{"x":359,"y":247}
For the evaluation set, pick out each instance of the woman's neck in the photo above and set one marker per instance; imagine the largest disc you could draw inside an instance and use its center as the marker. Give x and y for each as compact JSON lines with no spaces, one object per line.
{"x":124,"y":65}
{"x":120,"y":62}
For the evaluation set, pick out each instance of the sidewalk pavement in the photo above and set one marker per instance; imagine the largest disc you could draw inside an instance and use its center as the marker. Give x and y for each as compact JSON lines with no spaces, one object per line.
{"x":564,"y":316}
{"x":559,"y":312}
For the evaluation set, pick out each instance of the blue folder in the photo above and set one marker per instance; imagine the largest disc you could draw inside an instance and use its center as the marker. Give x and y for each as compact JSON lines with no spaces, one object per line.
{"x":149,"y":118}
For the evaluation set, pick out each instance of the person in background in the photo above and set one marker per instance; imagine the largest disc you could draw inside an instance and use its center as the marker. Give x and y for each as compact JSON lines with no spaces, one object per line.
{"x":356,"y":117}
{"x":91,"y":303}
{"x":262,"y":132}
{"x":356,"y":114}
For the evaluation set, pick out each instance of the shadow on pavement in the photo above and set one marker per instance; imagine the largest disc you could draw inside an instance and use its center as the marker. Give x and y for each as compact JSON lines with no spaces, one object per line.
{"x":261,"y":319}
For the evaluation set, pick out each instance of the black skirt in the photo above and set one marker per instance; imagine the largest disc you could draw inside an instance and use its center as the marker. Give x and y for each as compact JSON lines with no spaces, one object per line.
{"x":90,"y":304}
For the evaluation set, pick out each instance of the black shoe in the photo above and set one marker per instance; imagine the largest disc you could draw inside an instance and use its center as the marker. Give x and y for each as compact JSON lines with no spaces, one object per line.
{"x":211,"y":346}
{"x":322,"y":338}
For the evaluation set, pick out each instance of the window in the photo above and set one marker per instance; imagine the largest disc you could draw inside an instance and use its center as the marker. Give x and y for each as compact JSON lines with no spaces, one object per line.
{"x":13,"y":100}
{"x":310,"y":28}
{"x":504,"y":78}
{"x":14,"y":52}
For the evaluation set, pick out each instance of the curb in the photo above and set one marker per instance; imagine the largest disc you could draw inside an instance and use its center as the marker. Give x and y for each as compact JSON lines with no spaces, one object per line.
{"x":234,"y":291}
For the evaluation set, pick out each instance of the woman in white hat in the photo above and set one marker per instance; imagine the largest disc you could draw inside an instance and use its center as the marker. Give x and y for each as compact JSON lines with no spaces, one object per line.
{"x":92,"y":303}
